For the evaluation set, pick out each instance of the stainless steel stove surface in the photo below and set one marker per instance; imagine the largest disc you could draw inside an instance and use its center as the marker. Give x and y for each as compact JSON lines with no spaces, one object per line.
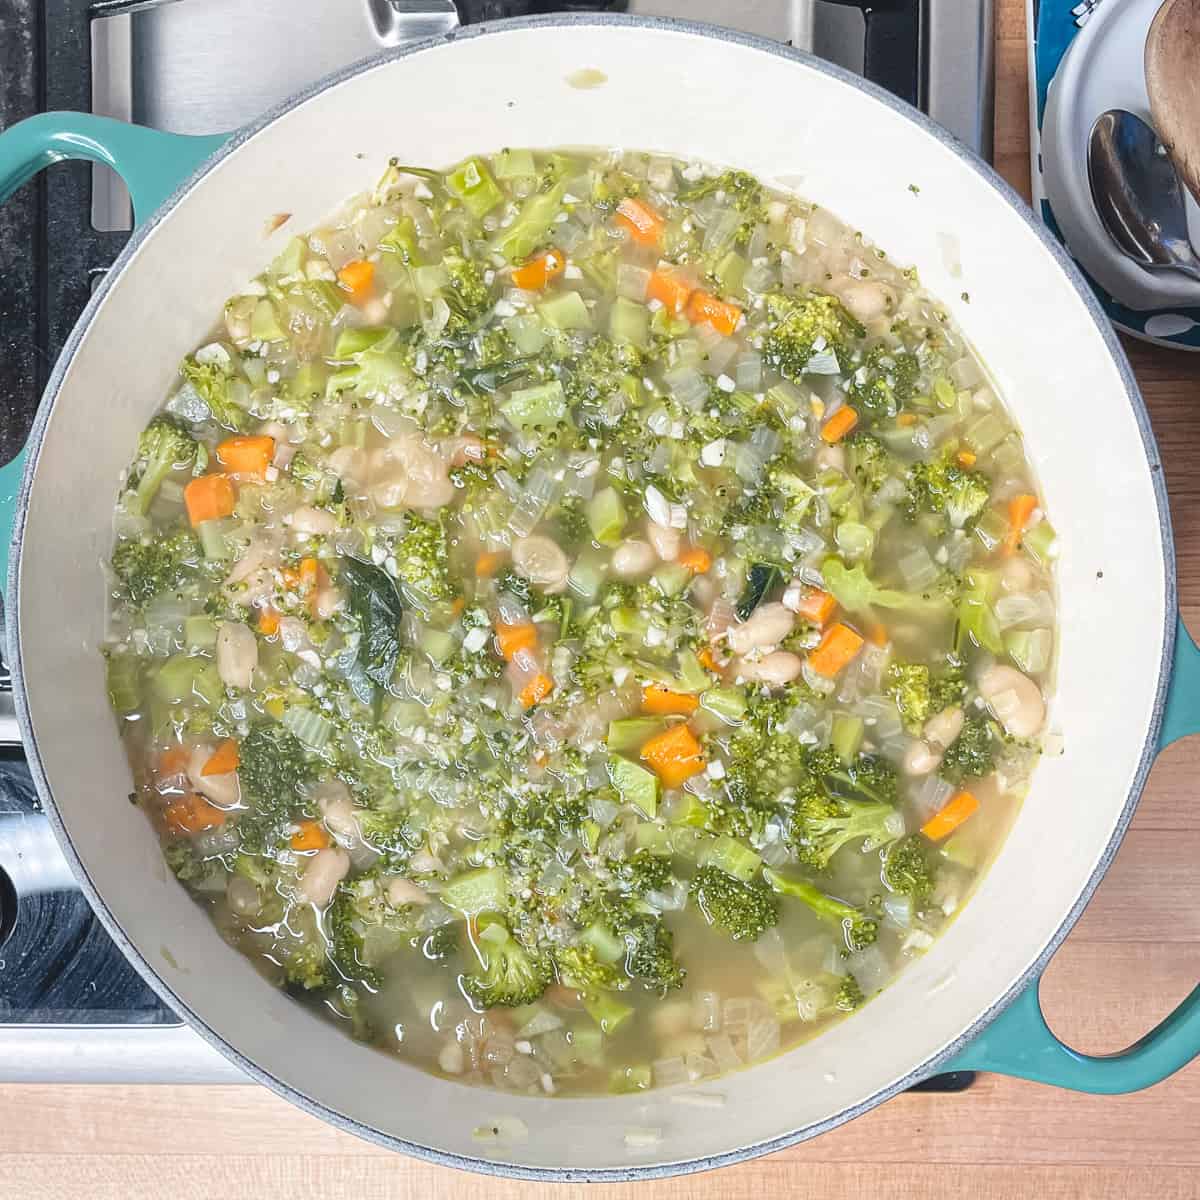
{"x":71,"y":1007}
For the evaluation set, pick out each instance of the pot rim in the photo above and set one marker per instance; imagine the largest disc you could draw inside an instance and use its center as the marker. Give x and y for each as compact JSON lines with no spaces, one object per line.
{"x":920,"y":1070}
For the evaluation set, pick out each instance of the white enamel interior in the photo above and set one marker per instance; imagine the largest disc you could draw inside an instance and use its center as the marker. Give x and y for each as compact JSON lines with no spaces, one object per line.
{"x":782,"y":119}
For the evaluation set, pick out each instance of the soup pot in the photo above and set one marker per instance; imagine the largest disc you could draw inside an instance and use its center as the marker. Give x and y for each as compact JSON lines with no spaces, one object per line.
{"x":207,"y":208}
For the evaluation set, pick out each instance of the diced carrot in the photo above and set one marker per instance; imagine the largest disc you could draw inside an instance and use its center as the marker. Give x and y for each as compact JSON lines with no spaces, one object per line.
{"x":837,"y":647}
{"x":310,"y":573}
{"x":173,"y":761}
{"x":268,"y":622}
{"x":246,"y":455}
{"x":310,"y":836}
{"x":904,"y":420}
{"x":539,"y":271}
{"x":965,"y":458}
{"x":839,"y":424}
{"x":708,"y":662}
{"x":536,"y":690}
{"x":224,"y":758}
{"x":486,"y":563}
{"x":704,"y":306}
{"x":357,"y":277}
{"x":1020,"y":509}
{"x":640,"y":221}
{"x":877,"y":635}
{"x":675,"y":755}
{"x":816,"y":606}
{"x":950,"y":816}
{"x":661,"y":701}
{"x":696,"y":559}
{"x":512,"y":639}
{"x":209,"y":497}
{"x":669,"y":289}
{"x":457,"y":605}
{"x":192,"y":814}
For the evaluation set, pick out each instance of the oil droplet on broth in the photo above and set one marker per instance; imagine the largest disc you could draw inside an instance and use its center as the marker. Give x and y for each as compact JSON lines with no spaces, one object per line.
{"x":587,"y":77}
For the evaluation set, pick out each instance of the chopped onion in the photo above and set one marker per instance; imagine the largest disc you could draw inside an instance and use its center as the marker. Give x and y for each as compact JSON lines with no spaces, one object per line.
{"x":1021,"y":608}
{"x":706,"y":1012}
{"x":725,"y":1056}
{"x":687,"y":385}
{"x":898,"y":909}
{"x":632,"y":281}
{"x":870,"y":967}
{"x":747,"y":371}
{"x":762,"y":1039}
{"x":760,"y":277}
{"x":917,"y":569}
{"x":669,"y":1071}
{"x":930,"y":796}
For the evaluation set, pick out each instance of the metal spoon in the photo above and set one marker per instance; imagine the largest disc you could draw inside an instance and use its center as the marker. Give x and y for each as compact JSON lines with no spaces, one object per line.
{"x":1137,"y":195}
{"x":1173,"y":84}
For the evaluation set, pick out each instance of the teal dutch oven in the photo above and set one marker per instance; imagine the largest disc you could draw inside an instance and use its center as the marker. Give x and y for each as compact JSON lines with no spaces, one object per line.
{"x":204,"y":208}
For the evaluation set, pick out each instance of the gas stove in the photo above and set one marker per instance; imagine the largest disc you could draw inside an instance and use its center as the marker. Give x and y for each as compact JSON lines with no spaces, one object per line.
{"x":71,"y":1007}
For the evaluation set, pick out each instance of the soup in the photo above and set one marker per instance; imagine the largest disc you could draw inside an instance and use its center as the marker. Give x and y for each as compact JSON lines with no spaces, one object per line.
{"x":581,"y":621}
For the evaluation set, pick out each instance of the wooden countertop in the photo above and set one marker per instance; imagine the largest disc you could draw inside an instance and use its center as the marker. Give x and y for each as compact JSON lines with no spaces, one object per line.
{"x":1133,"y":956}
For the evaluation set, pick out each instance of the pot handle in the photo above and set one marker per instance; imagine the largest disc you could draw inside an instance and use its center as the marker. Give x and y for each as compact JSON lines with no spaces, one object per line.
{"x":152,"y":164}
{"x":1019,"y":1042}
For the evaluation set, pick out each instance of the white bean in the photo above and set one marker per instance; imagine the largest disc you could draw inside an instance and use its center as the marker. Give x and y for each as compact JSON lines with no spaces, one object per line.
{"x":326,"y":602}
{"x":465,"y":449}
{"x":942,"y":728}
{"x":866,"y":300}
{"x":774,"y":669}
{"x":1017,"y":575}
{"x":665,"y":539}
{"x":768,"y":625}
{"x":326,"y":869}
{"x":243,"y":897}
{"x":451,"y":1058}
{"x":307,"y":519}
{"x":237,"y":653}
{"x":349,"y":464}
{"x":540,"y":560}
{"x":336,"y":807}
{"x":1014,"y":699}
{"x":831,"y":457}
{"x":223,"y":790}
{"x":409,"y":473}
{"x":921,"y":759}
{"x":633,"y":558}
{"x":401,"y":891}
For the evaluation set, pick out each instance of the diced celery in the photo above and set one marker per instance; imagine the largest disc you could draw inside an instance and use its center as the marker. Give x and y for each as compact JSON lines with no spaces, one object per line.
{"x":728,"y":703}
{"x":856,"y":541}
{"x":308,"y":727}
{"x":473,"y":184}
{"x":352,"y":341}
{"x":991,"y":528}
{"x":123,"y":676}
{"x":731,"y":856}
{"x":437,"y":643}
{"x":976,"y":621}
{"x":1029,"y":649}
{"x":514,"y":164}
{"x":566,"y":310}
{"x":590,"y":831}
{"x":519,"y":240}
{"x":404,"y":715}
{"x":608,"y":947}
{"x":730,"y":272}
{"x":527,"y":333}
{"x":692,"y":676}
{"x":175,"y":681}
{"x":628,"y":622}
{"x":542,"y":406}
{"x":960,"y":850}
{"x":481,"y":890}
{"x":943,"y":392}
{"x":401,"y":240}
{"x":989,"y":431}
{"x":785,"y":399}
{"x":690,"y":810}
{"x":671,"y":579}
{"x":430,"y":280}
{"x":606,"y":1010}
{"x":200,"y":633}
{"x":606,"y":516}
{"x":589,"y":1045}
{"x":846,"y":736}
{"x":624,"y":1080}
{"x":629,"y":321}
{"x":1041,"y":541}
{"x":629,"y":735}
{"x":264,"y":324}
{"x":587,"y":574}
{"x":213,"y":539}
{"x":208,"y":686}
{"x":308,"y":383}
{"x":650,"y":836}
{"x":289,"y":260}
{"x":635,"y":785}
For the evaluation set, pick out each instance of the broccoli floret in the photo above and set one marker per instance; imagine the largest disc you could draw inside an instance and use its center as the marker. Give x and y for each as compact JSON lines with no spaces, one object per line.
{"x":739,"y":187}
{"x":919,"y":695}
{"x":650,"y":955}
{"x":466,"y":293}
{"x":849,"y":995}
{"x":442,"y":944}
{"x":272,"y":769}
{"x":570,"y":517}
{"x":212,"y":382}
{"x":859,"y":928}
{"x":164,"y":446}
{"x":187,"y":864}
{"x":794,"y":497}
{"x":579,"y":967}
{"x":603,"y":369}
{"x":868,"y":460}
{"x":146,"y":569}
{"x":801,"y":326}
{"x":423,"y":558}
{"x":908,"y":869}
{"x":644,"y":872}
{"x":943,"y":486}
{"x":364,"y":928}
{"x":314,"y":478}
{"x":386,"y":830}
{"x":743,"y":910}
{"x":867,"y":778}
{"x":883,"y":381}
{"x":517,"y":586}
{"x":973,"y":753}
{"x":306,"y":966}
{"x":510,"y":976}
{"x":762,"y":761}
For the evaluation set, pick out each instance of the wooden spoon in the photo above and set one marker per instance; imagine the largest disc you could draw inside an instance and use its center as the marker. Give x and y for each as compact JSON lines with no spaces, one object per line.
{"x":1173,"y":81}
